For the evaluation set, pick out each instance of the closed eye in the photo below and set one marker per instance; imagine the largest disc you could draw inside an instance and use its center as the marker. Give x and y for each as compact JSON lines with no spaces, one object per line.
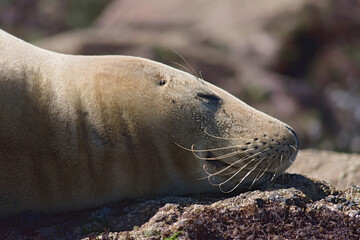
{"x":209,"y":98}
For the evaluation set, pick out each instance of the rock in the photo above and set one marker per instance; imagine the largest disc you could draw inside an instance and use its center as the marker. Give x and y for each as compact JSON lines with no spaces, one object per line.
{"x":339,"y":169}
{"x":293,"y":206}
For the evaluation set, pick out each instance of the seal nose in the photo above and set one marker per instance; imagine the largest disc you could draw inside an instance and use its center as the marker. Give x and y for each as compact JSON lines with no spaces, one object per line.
{"x":294,"y":135}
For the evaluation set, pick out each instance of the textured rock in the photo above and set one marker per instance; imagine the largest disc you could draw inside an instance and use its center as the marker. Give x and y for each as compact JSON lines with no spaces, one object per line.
{"x":339,"y":169}
{"x":294,"y":206}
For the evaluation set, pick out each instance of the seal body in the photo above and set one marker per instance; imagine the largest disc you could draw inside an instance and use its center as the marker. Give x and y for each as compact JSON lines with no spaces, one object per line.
{"x":80,"y":131}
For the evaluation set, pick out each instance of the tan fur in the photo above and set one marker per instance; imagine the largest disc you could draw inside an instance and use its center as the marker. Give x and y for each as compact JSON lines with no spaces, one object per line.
{"x":80,"y":131}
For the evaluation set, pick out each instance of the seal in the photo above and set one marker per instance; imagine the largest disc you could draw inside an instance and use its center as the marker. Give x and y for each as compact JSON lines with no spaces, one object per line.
{"x":81,"y":131}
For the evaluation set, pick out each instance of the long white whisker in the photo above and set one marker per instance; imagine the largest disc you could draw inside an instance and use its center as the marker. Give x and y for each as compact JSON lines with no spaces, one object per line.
{"x":261,"y":172}
{"x":265,"y":170}
{"x":257,"y":175}
{"x":236,"y":173}
{"x":275,"y":173}
{"x":207,"y":150}
{"x":250,"y":171}
{"x":187,"y":63}
{"x":227,"y":155}
{"x":277,"y":168}
{"x":229,"y":191}
{"x":293,"y":147}
{"x":233,"y":164}
{"x":209,"y":180}
{"x":239,"y":182}
{"x":218,"y":173}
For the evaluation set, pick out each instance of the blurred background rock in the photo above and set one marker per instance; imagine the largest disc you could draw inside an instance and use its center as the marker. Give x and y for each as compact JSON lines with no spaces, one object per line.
{"x":297,"y":60}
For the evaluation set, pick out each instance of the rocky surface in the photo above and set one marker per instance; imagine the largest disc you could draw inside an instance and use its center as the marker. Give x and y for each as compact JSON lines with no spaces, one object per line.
{"x":339,"y":169}
{"x":294,"y":206}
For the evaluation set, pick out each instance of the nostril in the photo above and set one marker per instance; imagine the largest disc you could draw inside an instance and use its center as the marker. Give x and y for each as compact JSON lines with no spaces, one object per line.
{"x":295,"y":136}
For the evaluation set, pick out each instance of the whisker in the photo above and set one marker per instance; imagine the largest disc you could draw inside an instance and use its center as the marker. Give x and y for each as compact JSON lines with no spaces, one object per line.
{"x":213,"y":184}
{"x":232,"y":189}
{"x":200,"y":75}
{"x":217,"y":157}
{"x":233,"y":164}
{"x":236,"y":173}
{"x":214,"y":173}
{"x":257,"y":175}
{"x":275,"y":173}
{"x":230,"y":170}
{"x":239,"y":182}
{"x":277,"y":167}
{"x":261,"y":173}
{"x":250,"y":171}
{"x":206,"y":150}
{"x":227,"y":155}
{"x":226,"y":168}
{"x":209,"y":174}
{"x":188,"y":64}
{"x":281,"y":172}
{"x":293,"y":147}
{"x":187,"y":69}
